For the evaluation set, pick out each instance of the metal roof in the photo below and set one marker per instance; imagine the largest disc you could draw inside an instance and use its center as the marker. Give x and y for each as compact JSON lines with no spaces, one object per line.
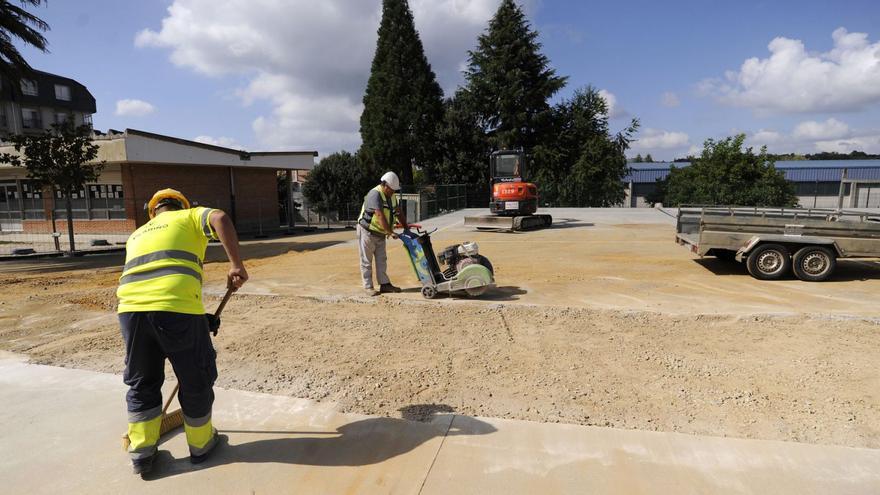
{"x":795,"y":171}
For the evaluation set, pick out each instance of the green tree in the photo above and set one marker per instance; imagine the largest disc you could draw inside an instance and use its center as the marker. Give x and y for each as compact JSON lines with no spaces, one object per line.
{"x":338,"y":182}
{"x":585,"y":164}
{"x":727,"y":174}
{"x":638,"y":159}
{"x":649,"y":158}
{"x":16,"y":22}
{"x":403,"y":103}
{"x":62,"y":158}
{"x":509,"y":82}
{"x":464,"y":149}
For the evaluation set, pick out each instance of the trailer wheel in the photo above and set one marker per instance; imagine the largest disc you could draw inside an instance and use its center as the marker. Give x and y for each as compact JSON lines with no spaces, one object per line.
{"x":769,"y":262}
{"x":429,"y":292}
{"x":814,"y":263}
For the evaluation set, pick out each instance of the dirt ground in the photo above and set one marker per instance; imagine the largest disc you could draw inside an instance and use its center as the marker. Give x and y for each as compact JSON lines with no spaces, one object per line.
{"x":601,"y":320}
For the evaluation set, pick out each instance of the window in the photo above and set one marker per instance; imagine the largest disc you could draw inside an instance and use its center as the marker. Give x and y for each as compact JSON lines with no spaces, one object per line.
{"x":29,"y":87}
{"x":106,"y":202}
{"x":60,"y":117}
{"x":62,"y":92}
{"x":30,"y":118}
{"x":33,"y":200}
{"x":87,"y":119}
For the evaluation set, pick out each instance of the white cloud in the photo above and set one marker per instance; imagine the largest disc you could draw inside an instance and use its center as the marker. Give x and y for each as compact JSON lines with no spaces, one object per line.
{"x":815,"y":131}
{"x":794,"y":80}
{"x":226,"y":142}
{"x":310,"y":60}
{"x":869,"y":143}
{"x":670,"y":99}
{"x":659,"y":139}
{"x":766,"y":137}
{"x":811,"y":137}
{"x":614,"y":109}
{"x":661,"y":144}
{"x":134,"y":108}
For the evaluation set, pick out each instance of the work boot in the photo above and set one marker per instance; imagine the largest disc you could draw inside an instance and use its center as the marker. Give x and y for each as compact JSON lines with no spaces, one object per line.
{"x":386,"y":288}
{"x":198,"y":459}
{"x":143,"y":466}
{"x":369,"y":291}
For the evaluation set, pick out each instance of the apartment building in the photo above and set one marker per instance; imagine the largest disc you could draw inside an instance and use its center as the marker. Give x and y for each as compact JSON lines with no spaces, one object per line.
{"x":34,"y":103}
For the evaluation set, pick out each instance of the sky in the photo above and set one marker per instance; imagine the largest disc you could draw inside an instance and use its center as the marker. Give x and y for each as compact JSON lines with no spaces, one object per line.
{"x":796,"y":76}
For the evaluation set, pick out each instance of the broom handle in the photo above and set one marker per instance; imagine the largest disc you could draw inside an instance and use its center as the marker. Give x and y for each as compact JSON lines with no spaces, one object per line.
{"x":225,"y":300}
{"x":222,"y":305}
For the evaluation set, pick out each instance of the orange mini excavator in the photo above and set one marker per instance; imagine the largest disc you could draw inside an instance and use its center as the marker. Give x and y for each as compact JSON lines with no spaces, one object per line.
{"x":513,"y":202}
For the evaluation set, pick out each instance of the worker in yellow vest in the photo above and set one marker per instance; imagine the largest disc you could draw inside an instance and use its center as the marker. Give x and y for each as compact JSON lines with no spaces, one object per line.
{"x":162,"y":316}
{"x":377,"y":219}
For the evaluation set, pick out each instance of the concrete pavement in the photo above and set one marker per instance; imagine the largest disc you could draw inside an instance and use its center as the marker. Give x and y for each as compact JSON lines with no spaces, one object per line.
{"x":62,"y":434}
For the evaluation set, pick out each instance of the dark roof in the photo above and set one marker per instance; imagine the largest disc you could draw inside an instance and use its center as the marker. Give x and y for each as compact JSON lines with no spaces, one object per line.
{"x":81,"y":100}
{"x":187,"y":142}
{"x":795,"y":170}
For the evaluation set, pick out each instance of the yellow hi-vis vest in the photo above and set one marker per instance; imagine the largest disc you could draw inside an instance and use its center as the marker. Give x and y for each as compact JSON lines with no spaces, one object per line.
{"x":370,"y":220}
{"x":163,"y":263}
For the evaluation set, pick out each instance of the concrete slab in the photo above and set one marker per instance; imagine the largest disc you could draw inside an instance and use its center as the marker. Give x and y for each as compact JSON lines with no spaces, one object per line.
{"x":62,"y":435}
{"x":528,"y":458}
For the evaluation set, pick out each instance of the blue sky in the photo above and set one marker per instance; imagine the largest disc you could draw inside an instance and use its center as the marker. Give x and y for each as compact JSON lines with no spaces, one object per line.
{"x":289,"y":74}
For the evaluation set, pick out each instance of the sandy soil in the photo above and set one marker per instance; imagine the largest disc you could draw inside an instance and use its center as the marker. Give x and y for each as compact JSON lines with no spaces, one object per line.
{"x":599,"y":322}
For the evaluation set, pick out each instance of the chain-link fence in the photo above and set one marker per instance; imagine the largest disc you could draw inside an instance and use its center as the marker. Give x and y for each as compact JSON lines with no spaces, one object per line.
{"x":101,"y":221}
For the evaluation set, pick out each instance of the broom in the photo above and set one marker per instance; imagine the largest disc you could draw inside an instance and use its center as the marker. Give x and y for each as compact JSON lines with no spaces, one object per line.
{"x":174,"y":419}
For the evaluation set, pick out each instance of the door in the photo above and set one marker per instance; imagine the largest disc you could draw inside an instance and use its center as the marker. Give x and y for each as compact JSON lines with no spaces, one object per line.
{"x":10,"y":207}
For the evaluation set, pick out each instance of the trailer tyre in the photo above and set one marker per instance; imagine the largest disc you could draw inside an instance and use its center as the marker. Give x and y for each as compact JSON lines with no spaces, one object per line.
{"x":814,"y":263}
{"x":769,"y":262}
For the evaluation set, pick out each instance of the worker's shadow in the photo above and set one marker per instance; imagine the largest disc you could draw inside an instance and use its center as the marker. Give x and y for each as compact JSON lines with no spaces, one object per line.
{"x":360,"y":443}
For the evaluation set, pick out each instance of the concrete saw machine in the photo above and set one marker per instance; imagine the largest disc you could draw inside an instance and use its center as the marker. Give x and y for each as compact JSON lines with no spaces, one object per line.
{"x":459,"y":270}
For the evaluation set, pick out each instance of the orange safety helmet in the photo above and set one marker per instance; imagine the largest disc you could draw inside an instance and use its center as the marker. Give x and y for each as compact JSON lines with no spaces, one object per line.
{"x":163,"y":195}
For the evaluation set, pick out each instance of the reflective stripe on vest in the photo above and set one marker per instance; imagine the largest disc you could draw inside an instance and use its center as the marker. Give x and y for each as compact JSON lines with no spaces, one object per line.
{"x":389,"y":205}
{"x":160,"y":272}
{"x":161,"y":255}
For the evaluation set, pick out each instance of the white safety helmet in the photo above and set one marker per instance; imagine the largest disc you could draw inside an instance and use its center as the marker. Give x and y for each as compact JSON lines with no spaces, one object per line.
{"x":390,"y":178}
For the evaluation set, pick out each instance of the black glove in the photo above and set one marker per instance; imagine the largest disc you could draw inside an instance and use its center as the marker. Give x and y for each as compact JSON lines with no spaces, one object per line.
{"x":213,"y":323}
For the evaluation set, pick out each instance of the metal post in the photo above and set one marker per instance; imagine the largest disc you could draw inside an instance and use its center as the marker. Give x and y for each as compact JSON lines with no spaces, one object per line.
{"x":843,"y":176}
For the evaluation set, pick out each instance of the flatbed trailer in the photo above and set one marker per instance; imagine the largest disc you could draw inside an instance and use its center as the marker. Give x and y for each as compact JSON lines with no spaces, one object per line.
{"x":774,"y":242}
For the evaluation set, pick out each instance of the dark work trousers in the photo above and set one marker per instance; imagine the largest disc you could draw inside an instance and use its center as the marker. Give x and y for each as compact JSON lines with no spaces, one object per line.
{"x":184,"y":339}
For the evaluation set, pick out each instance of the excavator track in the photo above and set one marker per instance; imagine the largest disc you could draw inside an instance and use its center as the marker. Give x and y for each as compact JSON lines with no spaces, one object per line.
{"x":513,"y":224}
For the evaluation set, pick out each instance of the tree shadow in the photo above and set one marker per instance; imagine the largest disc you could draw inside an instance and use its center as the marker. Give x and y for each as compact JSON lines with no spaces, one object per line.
{"x":115,"y":261}
{"x":359,"y":443}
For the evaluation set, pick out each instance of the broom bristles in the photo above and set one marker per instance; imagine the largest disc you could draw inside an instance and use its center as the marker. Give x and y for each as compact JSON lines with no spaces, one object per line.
{"x":170,"y":421}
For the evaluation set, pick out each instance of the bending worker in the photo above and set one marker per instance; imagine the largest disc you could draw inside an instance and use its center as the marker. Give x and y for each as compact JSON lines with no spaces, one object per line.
{"x":162,"y":316}
{"x":375,"y":225}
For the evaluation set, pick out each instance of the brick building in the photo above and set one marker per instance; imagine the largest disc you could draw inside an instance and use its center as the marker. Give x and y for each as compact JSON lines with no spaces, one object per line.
{"x":244,"y":184}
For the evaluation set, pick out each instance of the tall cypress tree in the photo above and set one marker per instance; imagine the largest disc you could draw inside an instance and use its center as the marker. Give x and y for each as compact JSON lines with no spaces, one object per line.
{"x":403,"y":103}
{"x":510,"y":82}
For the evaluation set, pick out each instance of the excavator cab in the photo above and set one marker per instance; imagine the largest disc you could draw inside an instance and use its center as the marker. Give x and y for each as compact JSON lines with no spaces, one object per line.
{"x":507,"y":166}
